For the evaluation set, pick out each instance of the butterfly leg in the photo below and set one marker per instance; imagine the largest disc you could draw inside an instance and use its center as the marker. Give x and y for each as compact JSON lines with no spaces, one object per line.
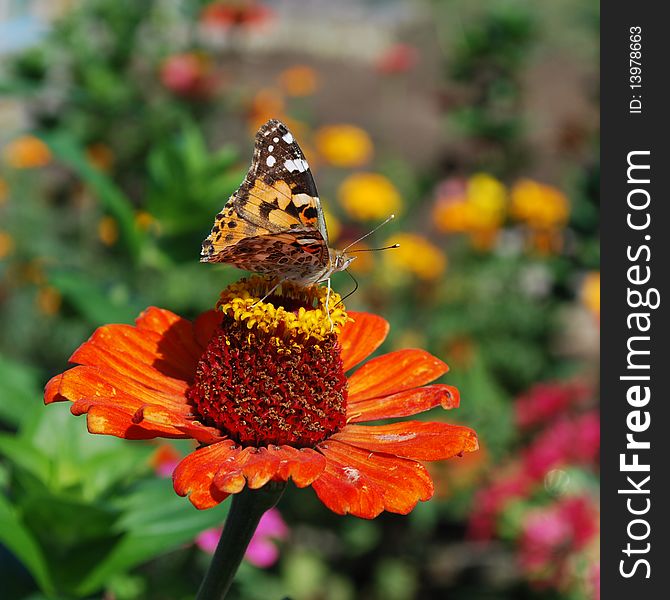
{"x":328,"y":305}
{"x":272,"y":291}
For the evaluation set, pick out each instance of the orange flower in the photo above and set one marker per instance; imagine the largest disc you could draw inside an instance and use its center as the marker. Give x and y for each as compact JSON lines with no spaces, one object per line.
{"x":299,"y":80}
{"x":27,"y":152}
{"x":540,"y":206}
{"x":4,"y":191}
{"x":263,"y":390}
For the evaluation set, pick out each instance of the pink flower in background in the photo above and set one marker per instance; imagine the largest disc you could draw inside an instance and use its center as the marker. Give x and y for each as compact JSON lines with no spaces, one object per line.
{"x":491,"y":501}
{"x":552,"y":535}
{"x":190,"y":75}
{"x":568,"y":441}
{"x":398,"y":58}
{"x":594,"y":581}
{"x":262,"y":552}
{"x":545,"y":401}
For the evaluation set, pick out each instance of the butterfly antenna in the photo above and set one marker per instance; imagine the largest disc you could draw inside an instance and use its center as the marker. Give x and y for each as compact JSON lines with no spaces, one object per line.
{"x":352,"y":292}
{"x":390,"y":218}
{"x":375,"y":249}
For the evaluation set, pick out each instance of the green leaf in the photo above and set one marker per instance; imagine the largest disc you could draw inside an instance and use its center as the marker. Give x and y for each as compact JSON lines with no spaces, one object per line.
{"x":24,"y":455}
{"x":23,"y":545}
{"x":156,"y":521}
{"x":95,"y":304}
{"x":19,"y":389}
{"x":112,"y":198}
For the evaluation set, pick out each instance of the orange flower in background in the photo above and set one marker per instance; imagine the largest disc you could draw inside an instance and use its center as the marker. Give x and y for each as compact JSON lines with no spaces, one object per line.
{"x":4,"y":191}
{"x":262,"y":389}
{"x":100,"y":156}
{"x":590,"y":293}
{"x":6,"y":244}
{"x":267,"y":103}
{"x":416,"y":256}
{"x":27,"y":152}
{"x":48,"y":300}
{"x":299,"y":80}
{"x":108,"y":231}
{"x":344,"y":145}
{"x":540,"y":206}
{"x":369,"y":197}
{"x":476,"y":207}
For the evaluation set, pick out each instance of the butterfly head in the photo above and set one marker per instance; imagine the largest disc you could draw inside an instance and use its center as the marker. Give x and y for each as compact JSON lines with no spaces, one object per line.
{"x":340,"y":260}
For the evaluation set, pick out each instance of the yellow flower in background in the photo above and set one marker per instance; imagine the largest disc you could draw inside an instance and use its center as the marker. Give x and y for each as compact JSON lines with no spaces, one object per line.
{"x":590,"y":292}
{"x":416,"y":256}
{"x":4,"y":191}
{"x":344,"y":145}
{"x":108,"y":231}
{"x":6,"y":244}
{"x":488,"y":198}
{"x":369,"y":196}
{"x":299,"y":80}
{"x":540,"y":206}
{"x":27,"y":152}
{"x":333,"y":225}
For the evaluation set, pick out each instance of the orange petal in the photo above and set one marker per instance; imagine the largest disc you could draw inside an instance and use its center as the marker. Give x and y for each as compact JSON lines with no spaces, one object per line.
{"x":362,"y":337}
{"x":204,"y":327}
{"x":127,"y":365}
{"x":177,"y":334}
{"x":302,"y":466}
{"x":156,"y":415}
{"x":163,"y":352}
{"x":416,"y":440}
{"x":364,"y":483}
{"x":253,"y":466}
{"x":394,"y":372}
{"x":403,"y":404}
{"x":119,"y":422}
{"x":194,"y":475}
{"x":101,"y":386}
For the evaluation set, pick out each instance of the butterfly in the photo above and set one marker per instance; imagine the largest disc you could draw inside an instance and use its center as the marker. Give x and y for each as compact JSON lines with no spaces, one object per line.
{"x":274,"y":223}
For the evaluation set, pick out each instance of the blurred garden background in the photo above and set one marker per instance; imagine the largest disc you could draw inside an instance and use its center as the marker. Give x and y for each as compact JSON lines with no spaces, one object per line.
{"x":125,"y":126}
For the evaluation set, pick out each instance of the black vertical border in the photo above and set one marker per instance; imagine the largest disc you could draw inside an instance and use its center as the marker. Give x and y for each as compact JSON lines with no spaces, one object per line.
{"x":623,"y":132}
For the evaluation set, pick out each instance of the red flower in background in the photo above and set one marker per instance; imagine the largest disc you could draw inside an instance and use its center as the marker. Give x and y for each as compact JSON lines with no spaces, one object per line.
{"x":263,"y":391}
{"x":234,"y":13}
{"x":398,"y":58}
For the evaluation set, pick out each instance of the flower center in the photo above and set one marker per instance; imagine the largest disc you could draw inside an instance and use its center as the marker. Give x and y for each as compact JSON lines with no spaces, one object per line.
{"x":273,"y":374}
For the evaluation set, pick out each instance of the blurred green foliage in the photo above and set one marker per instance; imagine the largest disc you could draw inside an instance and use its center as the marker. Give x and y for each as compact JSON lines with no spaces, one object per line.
{"x":113,"y":224}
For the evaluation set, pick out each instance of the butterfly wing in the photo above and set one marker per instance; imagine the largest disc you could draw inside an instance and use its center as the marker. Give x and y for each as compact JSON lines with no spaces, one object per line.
{"x":297,"y":256}
{"x":278,"y":196}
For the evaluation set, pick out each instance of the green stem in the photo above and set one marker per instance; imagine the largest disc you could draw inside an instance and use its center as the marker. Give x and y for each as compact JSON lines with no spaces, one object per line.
{"x":246,"y":511}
